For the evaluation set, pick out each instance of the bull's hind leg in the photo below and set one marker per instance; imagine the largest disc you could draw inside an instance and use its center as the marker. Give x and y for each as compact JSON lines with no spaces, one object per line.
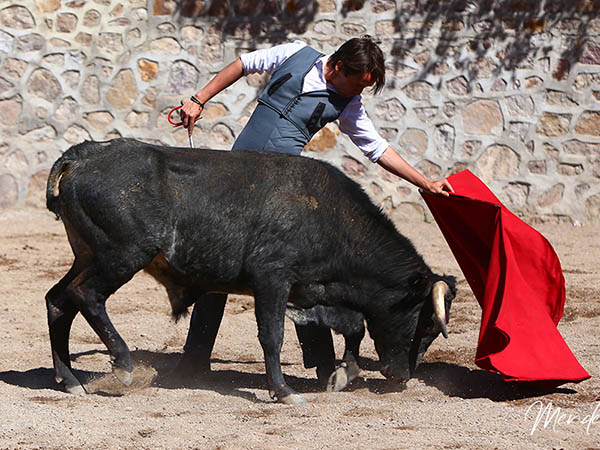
{"x":61,"y":312}
{"x":89,"y":292}
{"x":270,"y":300}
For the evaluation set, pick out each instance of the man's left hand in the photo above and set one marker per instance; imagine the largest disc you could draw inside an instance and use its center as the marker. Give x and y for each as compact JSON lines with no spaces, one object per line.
{"x":440,"y":187}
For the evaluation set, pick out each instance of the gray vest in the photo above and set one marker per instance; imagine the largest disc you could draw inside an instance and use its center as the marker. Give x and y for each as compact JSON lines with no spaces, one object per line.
{"x":285,"y":119}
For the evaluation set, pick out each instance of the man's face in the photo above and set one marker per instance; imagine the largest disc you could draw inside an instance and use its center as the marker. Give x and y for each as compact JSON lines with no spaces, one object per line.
{"x":349,"y":85}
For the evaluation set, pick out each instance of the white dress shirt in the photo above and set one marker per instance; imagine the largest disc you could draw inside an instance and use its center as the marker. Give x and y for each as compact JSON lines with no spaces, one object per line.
{"x":353,"y":121}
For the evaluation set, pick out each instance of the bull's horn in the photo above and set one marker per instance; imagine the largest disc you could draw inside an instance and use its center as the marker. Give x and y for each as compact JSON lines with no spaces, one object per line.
{"x":439,"y":291}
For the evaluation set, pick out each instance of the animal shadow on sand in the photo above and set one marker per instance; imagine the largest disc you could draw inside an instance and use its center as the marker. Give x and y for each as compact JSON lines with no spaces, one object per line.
{"x":155,"y":369}
{"x":459,"y":381}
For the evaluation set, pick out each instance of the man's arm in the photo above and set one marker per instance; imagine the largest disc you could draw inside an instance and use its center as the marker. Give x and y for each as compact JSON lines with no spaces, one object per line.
{"x":394,"y":163}
{"x":225,"y":78}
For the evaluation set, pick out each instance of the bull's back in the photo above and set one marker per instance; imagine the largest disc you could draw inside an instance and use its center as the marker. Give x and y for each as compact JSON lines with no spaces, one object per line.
{"x":212,"y":207}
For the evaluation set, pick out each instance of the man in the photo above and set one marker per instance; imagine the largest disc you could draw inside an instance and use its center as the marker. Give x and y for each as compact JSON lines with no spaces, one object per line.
{"x":307,"y":90}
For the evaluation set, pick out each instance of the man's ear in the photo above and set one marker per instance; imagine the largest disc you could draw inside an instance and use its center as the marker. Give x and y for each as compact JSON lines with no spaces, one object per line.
{"x":339,"y":67}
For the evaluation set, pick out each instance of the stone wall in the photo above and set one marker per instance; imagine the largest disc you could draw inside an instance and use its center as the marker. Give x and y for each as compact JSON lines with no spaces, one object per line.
{"x":507,"y":89}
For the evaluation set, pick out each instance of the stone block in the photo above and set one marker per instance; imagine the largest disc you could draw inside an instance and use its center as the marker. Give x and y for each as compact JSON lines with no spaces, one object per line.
{"x":443,"y":141}
{"x":497,"y":162}
{"x":45,"y":133}
{"x":482,"y":117}
{"x":569,"y":169}
{"x":148,"y":69}
{"x":110,"y":43}
{"x":520,"y":106}
{"x":553,"y":125}
{"x":164,"y":7}
{"x":123,"y":92}
{"x":68,"y":111}
{"x":413,"y":143}
{"x":418,"y":91}
{"x":66,"y":22}
{"x":90,"y":90}
{"x":426,"y":113}
{"x":6,"y":42}
{"x":43,"y":84}
{"x":471,"y":148}
{"x":13,"y":68}
{"x":588,"y":123}
{"x":458,"y":86}
{"x":379,"y":6}
{"x":592,"y":207}
{"x":85,"y":39}
{"x":76,"y":134}
{"x":326,"y":27}
{"x":353,"y":29}
{"x":211,"y":50}
{"x":390,"y":110}
{"x":98,"y":120}
{"x":590,"y":54}
{"x":551,"y":196}
{"x":352,"y":167}
{"x":47,"y":6}
{"x":537,"y":167}
{"x":17,"y":17}
{"x":137,"y":119}
{"x":183,"y":78}
{"x":92,"y":18}
{"x":5,"y":86}
{"x":429,"y":169}
{"x":31,"y":42}
{"x":515,"y":195}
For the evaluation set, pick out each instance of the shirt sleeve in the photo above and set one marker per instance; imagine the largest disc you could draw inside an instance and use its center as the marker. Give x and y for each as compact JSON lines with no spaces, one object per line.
{"x":269,"y":59}
{"x":356,"y":124}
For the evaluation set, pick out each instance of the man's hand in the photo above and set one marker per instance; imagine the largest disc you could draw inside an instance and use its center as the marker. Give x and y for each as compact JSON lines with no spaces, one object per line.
{"x":189,"y":113}
{"x":440,"y":187}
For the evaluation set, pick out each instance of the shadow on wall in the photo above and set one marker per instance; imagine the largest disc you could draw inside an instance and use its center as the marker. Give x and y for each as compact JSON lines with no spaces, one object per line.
{"x":466,"y":32}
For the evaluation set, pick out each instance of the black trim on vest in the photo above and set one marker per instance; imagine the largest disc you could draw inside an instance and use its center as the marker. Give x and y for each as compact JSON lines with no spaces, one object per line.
{"x":313,"y":123}
{"x":278,"y":83}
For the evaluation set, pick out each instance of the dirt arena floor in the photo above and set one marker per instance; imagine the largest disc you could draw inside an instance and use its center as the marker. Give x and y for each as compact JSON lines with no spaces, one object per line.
{"x":450,"y":403}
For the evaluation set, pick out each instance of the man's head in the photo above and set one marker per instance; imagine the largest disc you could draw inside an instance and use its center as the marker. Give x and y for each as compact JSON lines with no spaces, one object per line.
{"x":357,"y":64}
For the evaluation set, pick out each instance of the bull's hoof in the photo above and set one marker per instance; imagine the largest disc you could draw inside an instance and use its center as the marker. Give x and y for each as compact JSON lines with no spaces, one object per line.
{"x":292,"y":399}
{"x":75,"y":389}
{"x":338,"y":380}
{"x":123,"y":375}
{"x":342,"y":377}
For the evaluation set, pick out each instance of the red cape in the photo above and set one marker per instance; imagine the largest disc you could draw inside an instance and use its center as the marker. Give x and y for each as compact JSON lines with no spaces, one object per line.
{"x":517,"y":280}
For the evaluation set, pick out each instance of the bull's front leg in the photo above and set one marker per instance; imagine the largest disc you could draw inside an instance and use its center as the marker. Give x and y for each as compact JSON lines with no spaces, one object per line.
{"x":349,"y":369}
{"x":270,"y":301}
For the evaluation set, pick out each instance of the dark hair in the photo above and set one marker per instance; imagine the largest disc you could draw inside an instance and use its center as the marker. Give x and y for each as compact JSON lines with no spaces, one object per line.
{"x":361,"y":55}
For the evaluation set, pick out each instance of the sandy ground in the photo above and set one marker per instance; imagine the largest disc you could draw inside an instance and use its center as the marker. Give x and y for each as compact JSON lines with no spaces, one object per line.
{"x":449,"y":404}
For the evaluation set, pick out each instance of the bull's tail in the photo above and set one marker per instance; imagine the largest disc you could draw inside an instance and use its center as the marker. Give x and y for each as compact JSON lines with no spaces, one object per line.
{"x":63,"y":165}
{"x":60,"y":168}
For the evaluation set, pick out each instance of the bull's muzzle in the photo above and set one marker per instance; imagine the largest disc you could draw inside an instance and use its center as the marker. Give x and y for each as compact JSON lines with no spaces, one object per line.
{"x":397,"y":374}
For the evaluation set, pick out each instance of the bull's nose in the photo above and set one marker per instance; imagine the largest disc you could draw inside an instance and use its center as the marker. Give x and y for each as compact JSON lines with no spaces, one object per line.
{"x":397,"y":375}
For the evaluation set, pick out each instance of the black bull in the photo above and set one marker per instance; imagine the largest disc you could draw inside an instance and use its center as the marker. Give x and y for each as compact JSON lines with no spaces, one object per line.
{"x":281,"y":228}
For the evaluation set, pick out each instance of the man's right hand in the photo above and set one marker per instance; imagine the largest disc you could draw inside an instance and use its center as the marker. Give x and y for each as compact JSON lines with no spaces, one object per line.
{"x":189,"y":113}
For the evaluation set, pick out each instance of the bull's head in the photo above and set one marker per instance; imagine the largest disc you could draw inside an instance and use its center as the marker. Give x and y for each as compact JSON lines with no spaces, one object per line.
{"x":411,"y":325}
